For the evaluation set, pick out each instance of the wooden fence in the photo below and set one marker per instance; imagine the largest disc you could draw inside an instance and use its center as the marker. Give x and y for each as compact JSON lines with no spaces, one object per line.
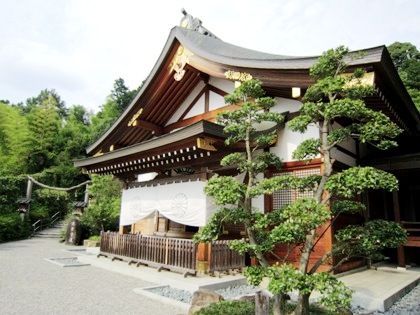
{"x":222,"y":258}
{"x":163,"y":253}
{"x":172,"y":254}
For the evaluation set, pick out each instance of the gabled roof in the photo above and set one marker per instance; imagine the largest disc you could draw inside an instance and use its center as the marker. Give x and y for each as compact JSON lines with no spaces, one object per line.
{"x":211,"y":56}
{"x":161,"y":95}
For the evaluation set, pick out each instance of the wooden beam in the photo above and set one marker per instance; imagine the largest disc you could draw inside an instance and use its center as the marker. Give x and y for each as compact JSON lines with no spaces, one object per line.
{"x":217,"y":90}
{"x":156,"y":129}
{"x":210,"y":116}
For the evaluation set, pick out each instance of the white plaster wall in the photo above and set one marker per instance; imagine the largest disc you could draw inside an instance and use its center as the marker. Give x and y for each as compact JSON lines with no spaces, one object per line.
{"x":223,"y":84}
{"x":216,"y":101}
{"x":198,"y":108}
{"x":288,"y":140}
{"x":258,"y":202}
{"x":286,"y":105}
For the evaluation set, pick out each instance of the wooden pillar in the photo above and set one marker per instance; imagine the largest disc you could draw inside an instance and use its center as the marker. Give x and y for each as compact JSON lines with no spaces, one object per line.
{"x":86,"y":194}
{"x":397,"y":218}
{"x":203,"y":257}
{"x":29,"y":189}
{"x":29,"y":197}
{"x":122,"y":229}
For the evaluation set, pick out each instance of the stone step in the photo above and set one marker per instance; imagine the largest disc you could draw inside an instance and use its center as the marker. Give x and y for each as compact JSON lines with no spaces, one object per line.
{"x":47,"y":235}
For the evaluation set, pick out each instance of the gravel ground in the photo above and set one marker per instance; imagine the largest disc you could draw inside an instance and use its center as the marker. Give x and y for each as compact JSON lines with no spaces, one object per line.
{"x":186,"y":297}
{"x":409,"y":304}
{"x":29,"y":284}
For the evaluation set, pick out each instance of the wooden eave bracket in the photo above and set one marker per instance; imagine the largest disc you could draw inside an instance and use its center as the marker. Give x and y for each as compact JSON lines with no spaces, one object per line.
{"x":140,"y":123}
{"x":206,"y":144}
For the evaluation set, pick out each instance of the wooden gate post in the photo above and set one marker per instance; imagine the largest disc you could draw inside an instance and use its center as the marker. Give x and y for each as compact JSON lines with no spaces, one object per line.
{"x":28,"y":196}
{"x":202,"y":258}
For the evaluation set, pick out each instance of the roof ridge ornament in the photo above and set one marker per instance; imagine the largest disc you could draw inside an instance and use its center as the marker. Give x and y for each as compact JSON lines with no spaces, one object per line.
{"x":195,"y":24}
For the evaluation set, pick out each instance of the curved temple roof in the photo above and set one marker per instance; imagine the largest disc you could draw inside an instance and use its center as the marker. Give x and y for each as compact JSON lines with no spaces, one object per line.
{"x":210,"y":56}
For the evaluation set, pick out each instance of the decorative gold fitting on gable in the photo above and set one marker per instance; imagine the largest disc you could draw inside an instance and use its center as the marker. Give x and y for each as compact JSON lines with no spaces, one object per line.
{"x":133,"y":120}
{"x":238,"y":76}
{"x":179,"y":61}
{"x":206,"y":144}
{"x":99,"y":153}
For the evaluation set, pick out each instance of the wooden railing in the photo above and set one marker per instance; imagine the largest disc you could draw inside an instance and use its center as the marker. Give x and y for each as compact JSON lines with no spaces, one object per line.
{"x":222,"y":258}
{"x":413,"y":229}
{"x":42,"y":224}
{"x":173,"y":254}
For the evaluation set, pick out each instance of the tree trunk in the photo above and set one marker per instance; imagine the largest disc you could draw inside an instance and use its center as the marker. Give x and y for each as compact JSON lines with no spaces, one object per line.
{"x":279,"y":307}
{"x":262,"y":304}
{"x":302,"y":307}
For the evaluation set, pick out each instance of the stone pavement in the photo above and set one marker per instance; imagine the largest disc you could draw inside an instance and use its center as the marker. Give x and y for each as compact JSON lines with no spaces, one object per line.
{"x":379,"y":289}
{"x":41,"y":275}
{"x":31,"y":284}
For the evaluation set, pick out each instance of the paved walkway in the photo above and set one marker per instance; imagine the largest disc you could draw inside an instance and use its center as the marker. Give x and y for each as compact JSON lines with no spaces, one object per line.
{"x":32,"y":281}
{"x":29,"y":284}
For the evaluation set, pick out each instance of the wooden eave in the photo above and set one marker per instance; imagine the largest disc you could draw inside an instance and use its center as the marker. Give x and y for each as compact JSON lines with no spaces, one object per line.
{"x":179,"y":148}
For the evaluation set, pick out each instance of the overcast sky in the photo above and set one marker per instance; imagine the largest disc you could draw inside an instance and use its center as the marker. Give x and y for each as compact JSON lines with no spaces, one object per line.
{"x":80,"y":47}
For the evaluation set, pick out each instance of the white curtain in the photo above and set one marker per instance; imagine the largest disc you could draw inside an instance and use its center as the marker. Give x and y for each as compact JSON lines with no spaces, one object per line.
{"x":184,"y":203}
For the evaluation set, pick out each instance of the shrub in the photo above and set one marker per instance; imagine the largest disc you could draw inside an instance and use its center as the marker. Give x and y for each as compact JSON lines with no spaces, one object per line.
{"x":103,"y":211}
{"x":13,"y":228}
{"x":11,"y":189}
{"x":38,"y":213}
{"x":96,"y":238}
{"x":228,"y":307}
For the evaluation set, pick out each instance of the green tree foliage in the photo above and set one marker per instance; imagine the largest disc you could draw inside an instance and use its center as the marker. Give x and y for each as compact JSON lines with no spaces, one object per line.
{"x":42,"y":137}
{"x":44,"y":124}
{"x":122,"y":95}
{"x":46,"y":96}
{"x":11,"y":189}
{"x":236,"y":197}
{"x":115,"y":104}
{"x":334,"y":97}
{"x":103,"y":211}
{"x":13,"y":228}
{"x":73,"y":137}
{"x":406,"y":58}
{"x":14,"y":141}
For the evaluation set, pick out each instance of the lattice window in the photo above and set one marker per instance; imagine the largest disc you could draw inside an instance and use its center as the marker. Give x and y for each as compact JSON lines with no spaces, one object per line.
{"x":237,"y":229}
{"x":285,"y":196}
